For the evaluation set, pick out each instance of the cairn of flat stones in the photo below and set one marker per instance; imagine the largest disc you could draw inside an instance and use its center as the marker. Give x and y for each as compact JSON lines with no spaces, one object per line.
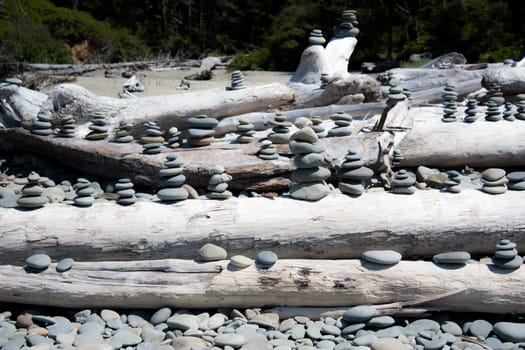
{"x":454,"y":181}
{"x":67,"y":126}
{"x":354,"y":176}
{"x":99,"y":127}
{"x":520,"y":107}
{"x":125,"y":192}
{"x":152,"y":140}
{"x":317,"y":126}
{"x":122,"y":132}
{"x":84,"y":193}
{"x":516,"y":180}
{"x":316,"y":37}
{"x":237,"y":81}
{"x":32,"y":193}
{"x":493,"y":114}
{"x":506,"y":255}
{"x":343,"y":125}
{"x":173,"y":137}
{"x":309,"y":178}
{"x":397,"y":157}
{"x":42,"y":124}
{"x":281,"y":129}
{"x":494,"y":181}
{"x":325,"y":80}
{"x":449,"y":98}
{"x":348,"y":25}
{"x":403,"y":183}
{"x":471,"y":110}
{"x":495,"y":94}
{"x":201,"y":130}
{"x":172,"y":180}
{"x":395,"y":95}
{"x":246,"y":131}
{"x":267,"y":151}
{"x":218,"y":184}
{"x":508,"y":113}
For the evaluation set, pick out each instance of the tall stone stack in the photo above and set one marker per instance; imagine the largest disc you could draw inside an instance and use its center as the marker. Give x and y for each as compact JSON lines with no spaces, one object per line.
{"x":172,"y":180}
{"x":354,"y":176}
{"x":67,"y":126}
{"x":237,"y":81}
{"x":201,"y":130}
{"x":471,"y":111}
{"x":32,"y":193}
{"x":125,"y":192}
{"x":122,"y":132}
{"x":84,"y":193}
{"x":99,"y":127}
{"x":403,"y":183}
{"x":309,"y":178}
{"x":246,"y":131}
{"x":343,"y":125}
{"x":453,"y":184}
{"x":218,"y":184}
{"x":316,"y":37}
{"x":267,"y":151}
{"x":506,"y":255}
{"x":508,"y":113}
{"x":520,"y":106}
{"x":449,"y":98}
{"x":174,"y":137}
{"x":494,"y":181}
{"x":152,"y":140}
{"x":281,"y":129}
{"x":397,"y":157}
{"x":348,"y":26}
{"x":493,"y":114}
{"x":42,"y":124}
{"x":495,"y":94}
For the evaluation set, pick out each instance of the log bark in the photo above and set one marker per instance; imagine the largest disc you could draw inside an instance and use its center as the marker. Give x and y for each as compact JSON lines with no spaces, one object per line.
{"x":335,"y":227}
{"x":510,"y":79}
{"x":179,"y":283}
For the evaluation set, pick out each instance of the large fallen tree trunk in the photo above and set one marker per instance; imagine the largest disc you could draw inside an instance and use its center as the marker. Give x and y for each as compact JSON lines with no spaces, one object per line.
{"x":179,"y":283}
{"x":510,"y":79}
{"x":337,"y":226}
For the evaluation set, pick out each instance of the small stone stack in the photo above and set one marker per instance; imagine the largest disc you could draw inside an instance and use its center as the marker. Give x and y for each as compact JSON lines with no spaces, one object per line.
{"x":395,"y":95}
{"x":122,"y":133}
{"x":42,"y":124}
{"x":471,"y":110}
{"x":237,"y":81}
{"x":516,"y":180}
{"x":172,"y":180}
{"x":494,"y":181}
{"x":246,"y":131}
{"x":99,"y":127}
{"x":267,"y":151}
{"x":397,"y":157}
{"x":403,"y":183}
{"x":343,"y":124}
{"x":449,"y":98}
{"x":506,"y":255}
{"x":354,"y":176}
{"x":454,"y":181}
{"x":508,"y":113}
{"x":84,"y":193}
{"x":125,"y":192}
{"x":67,"y":126}
{"x":281,"y":129}
{"x":310,"y":176}
{"x":201,"y":130}
{"x":152,"y":140}
{"x":348,"y":25}
{"x":317,"y":125}
{"x":218,"y":184}
{"x":174,"y":137}
{"x":493,"y":113}
{"x":495,"y":94}
{"x":32,"y":193}
{"x":325,"y":80}
{"x":316,"y":37}
{"x":520,"y":105}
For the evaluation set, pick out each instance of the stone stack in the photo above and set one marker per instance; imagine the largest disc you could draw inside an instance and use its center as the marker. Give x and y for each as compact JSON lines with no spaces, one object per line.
{"x":201,"y":130}
{"x":246,"y":131}
{"x":174,"y":137}
{"x":125,"y":192}
{"x":172,"y":180}
{"x":354,"y":176}
{"x":403,"y":183}
{"x":343,"y":124}
{"x":218,"y":184}
{"x":317,"y":125}
{"x":493,"y":114}
{"x":454,"y":181}
{"x":42,"y":124}
{"x":520,"y":105}
{"x":310,"y":176}
{"x":67,"y":126}
{"x":84,"y":193}
{"x":281,"y":129}
{"x":237,"y":81}
{"x":348,"y":25}
{"x":449,"y":98}
{"x":495,"y":94}
{"x":32,"y":193}
{"x":471,"y":110}
{"x":395,"y":95}
{"x":494,"y":181}
{"x":516,"y":180}
{"x":99,"y":127}
{"x":508,"y":113}
{"x":325,"y":80}
{"x":122,"y":133}
{"x":316,"y":37}
{"x":506,"y":255}
{"x":267,"y":151}
{"x":407,"y":92}
{"x":152,"y":140}
{"x":397,"y":157}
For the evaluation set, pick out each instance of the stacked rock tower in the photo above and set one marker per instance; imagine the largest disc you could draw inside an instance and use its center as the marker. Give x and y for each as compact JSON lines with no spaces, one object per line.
{"x":453,"y":184}
{"x":122,"y":133}
{"x":201,"y":130}
{"x":403,"y":183}
{"x":316,"y":37}
{"x":471,"y":110}
{"x":67,"y":126}
{"x":311,"y":174}
{"x":520,"y":105}
{"x":125,"y":192}
{"x":172,"y":180}
{"x":450,"y":98}
{"x":493,"y":114}
{"x":354,"y":176}
{"x":343,"y":124}
{"x":508,"y":113}
{"x":42,"y":124}
{"x":246,"y":131}
{"x":32,"y":193}
{"x":348,"y":25}
{"x":267,"y":151}
{"x":281,"y":129}
{"x":506,"y":255}
{"x":84,"y":193}
{"x":237,"y":81}
{"x":218,"y":184}
{"x":494,"y":181}
{"x":174,"y":137}
{"x":99,"y":127}
{"x":152,"y":140}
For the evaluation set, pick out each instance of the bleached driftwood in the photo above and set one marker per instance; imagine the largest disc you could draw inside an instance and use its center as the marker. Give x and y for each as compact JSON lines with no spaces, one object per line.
{"x":186,"y":284}
{"x":510,"y":79}
{"x":337,"y":226}
{"x":313,"y":63}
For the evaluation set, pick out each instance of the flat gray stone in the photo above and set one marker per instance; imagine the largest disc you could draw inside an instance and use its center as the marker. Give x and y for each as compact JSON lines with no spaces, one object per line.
{"x":183,"y":322}
{"x":127,"y":337}
{"x":382,"y":257}
{"x":298,"y":147}
{"x":38,"y":261}
{"x":381,"y":322}
{"x":91,"y":328}
{"x":88,"y":338}
{"x":451,"y":258}
{"x":360,"y":313}
{"x":160,"y":316}
{"x":480,"y":328}
{"x":189,"y":342}
{"x":493,"y":174}
{"x":241,"y":261}
{"x":212,"y":252}
{"x":365,"y":340}
{"x":266,"y":258}
{"x":172,"y":194}
{"x":387,"y":344}
{"x":306,"y":134}
{"x":508,"y":263}
{"x":65,"y":264}
{"x":310,"y":174}
{"x":451,"y":328}
{"x":362,"y":173}
{"x":309,"y":191}
{"x":230,"y":339}
{"x":309,"y":160}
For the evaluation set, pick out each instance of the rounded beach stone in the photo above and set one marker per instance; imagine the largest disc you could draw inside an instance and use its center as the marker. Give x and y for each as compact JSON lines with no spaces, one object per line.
{"x":381,"y":322}
{"x":506,"y":253}
{"x":505,"y":244}
{"x":240,"y":261}
{"x":230,"y":339}
{"x":360,"y":313}
{"x":310,"y":191}
{"x":266,"y":258}
{"x":32,"y":202}
{"x":212,"y":252}
{"x":457,"y":257}
{"x":510,"y":331}
{"x":514,"y":263}
{"x":183,"y":322}
{"x":38,"y":261}
{"x":387,"y":344}
{"x":310,"y":174}
{"x":306,"y":134}
{"x":299,"y":147}
{"x":65,"y":264}
{"x":480,"y":328}
{"x":172,"y":194}
{"x":493,"y":174}
{"x":160,"y":316}
{"x":383,"y":257}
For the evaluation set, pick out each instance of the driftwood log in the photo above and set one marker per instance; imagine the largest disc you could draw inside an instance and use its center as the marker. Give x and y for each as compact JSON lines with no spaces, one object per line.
{"x":337,"y":226}
{"x":510,"y":79}
{"x":187,"y":284}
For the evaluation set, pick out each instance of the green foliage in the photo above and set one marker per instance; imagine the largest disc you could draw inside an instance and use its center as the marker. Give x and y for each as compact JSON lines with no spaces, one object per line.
{"x":254,"y":60}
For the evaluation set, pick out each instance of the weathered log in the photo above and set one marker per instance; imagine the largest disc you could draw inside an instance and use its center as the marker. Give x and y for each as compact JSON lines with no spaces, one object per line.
{"x":205,"y":69}
{"x":337,"y":226}
{"x":179,"y":283}
{"x":510,"y":79}
{"x":435,"y":94}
